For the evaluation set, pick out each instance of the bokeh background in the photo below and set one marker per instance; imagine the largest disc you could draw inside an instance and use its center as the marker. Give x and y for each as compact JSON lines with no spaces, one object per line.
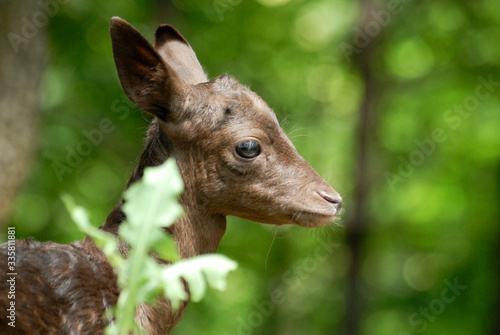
{"x":396,"y":103}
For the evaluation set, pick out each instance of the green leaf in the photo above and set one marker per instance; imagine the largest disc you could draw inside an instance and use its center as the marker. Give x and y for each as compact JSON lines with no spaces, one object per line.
{"x":105,"y":241}
{"x":151,"y":204}
{"x":166,"y":248}
{"x":214,"y":267}
{"x":152,"y":198}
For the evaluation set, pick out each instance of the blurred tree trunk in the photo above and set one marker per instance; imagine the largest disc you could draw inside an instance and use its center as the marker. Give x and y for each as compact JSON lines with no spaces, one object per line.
{"x":358,"y":221}
{"x":22,"y":57}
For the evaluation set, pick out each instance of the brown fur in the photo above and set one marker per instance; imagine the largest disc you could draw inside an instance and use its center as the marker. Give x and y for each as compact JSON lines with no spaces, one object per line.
{"x":60,"y":289}
{"x":64,"y":289}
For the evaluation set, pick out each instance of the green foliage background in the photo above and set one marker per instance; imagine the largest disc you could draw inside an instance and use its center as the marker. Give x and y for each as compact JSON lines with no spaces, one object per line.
{"x":437,"y":224}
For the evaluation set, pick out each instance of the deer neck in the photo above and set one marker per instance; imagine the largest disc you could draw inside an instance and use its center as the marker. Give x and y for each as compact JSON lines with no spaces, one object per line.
{"x":198,"y":232}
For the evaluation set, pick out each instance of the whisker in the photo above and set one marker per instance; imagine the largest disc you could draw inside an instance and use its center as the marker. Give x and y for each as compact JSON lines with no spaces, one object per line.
{"x":270,"y":246}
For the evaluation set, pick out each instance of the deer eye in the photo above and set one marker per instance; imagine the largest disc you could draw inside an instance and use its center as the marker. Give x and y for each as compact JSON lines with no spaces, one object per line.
{"x":248,"y":149}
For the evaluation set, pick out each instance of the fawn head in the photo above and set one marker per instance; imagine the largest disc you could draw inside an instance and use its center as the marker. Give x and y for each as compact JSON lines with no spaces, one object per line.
{"x":232,"y":153}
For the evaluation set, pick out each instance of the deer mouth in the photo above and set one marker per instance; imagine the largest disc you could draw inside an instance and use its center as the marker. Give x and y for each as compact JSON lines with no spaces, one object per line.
{"x":319,"y":209}
{"x":323,"y":210}
{"x":312,"y":219}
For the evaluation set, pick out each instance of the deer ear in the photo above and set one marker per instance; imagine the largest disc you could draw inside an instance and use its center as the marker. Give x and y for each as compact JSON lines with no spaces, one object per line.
{"x":145,"y":78}
{"x":178,"y":54}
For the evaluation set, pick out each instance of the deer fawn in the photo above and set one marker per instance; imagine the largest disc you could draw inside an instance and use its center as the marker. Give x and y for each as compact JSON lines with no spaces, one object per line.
{"x":234,"y":159}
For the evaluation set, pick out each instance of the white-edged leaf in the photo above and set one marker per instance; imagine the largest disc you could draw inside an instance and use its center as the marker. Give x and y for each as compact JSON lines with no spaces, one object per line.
{"x":154,"y":197}
{"x":166,"y":248}
{"x":151,"y":204}
{"x":214,"y":267}
{"x":106,"y":241}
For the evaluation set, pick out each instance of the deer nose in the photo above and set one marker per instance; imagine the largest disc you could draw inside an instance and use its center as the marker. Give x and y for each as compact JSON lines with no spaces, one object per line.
{"x":334,"y":199}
